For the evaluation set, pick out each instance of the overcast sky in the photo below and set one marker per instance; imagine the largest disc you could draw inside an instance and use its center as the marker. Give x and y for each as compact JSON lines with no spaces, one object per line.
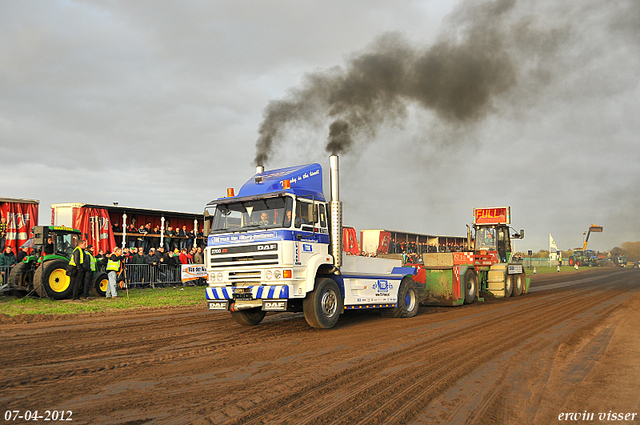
{"x":159,"y":105}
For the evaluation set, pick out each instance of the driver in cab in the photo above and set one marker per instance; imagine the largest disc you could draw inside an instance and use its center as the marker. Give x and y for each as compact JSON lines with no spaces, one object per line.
{"x":264,"y":219}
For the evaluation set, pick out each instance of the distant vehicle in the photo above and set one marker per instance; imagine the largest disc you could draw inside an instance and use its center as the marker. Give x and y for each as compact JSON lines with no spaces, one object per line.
{"x":45,"y":271}
{"x":620,"y":260}
{"x":581,"y":257}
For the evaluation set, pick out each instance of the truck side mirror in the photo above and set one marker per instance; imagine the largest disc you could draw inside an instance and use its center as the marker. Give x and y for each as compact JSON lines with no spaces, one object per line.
{"x":521,"y":233}
{"x":207,"y":223}
{"x":315,"y":213}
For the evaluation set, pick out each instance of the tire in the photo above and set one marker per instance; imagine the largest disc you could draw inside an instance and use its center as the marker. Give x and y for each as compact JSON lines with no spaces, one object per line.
{"x":323,"y":306}
{"x":571,"y":261}
{"x":100,"y":283}
{"x":518,"y":285}
{"x":508,"y":285}
{"x":578,"y":263}
{"x":52,"y":278}
{"x":21,"y":277}
{"x":408,"y":301}
{"x":470,"y":287}
{"x":249,"y":317}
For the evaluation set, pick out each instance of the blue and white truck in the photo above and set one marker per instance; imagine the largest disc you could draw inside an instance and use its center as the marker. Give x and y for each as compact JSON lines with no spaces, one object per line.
{"x":277,"y":246}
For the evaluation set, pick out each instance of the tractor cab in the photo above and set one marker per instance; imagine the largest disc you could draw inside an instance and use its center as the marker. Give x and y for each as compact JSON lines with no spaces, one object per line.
{"x":492,"y":231}
{"x":56,"y":240}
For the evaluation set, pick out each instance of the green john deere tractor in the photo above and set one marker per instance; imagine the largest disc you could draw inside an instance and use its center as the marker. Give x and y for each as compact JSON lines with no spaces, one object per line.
{"x":45,"y":271}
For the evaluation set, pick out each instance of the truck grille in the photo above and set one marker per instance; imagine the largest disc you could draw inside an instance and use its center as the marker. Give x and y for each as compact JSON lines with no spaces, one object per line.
{"x":252,"y":276}
{"x":243,"y":259}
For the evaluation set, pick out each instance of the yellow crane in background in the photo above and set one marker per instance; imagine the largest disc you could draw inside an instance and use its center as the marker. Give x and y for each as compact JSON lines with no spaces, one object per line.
{"x":592,"y":228}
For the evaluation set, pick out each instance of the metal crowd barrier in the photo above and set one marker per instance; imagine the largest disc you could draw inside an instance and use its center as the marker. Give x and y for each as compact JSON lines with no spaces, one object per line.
{"x":5,"y":271}
{"x":138,"y":275}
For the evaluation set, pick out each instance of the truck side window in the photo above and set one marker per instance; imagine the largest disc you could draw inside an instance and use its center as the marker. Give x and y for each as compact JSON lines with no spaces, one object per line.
{"x":288,"y":211}
{"x":304,"y":214}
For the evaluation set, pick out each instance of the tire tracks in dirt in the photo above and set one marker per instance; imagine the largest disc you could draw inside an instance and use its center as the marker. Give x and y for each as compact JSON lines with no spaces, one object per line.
{"x":399,"y":403}
{"x":188,"y":365}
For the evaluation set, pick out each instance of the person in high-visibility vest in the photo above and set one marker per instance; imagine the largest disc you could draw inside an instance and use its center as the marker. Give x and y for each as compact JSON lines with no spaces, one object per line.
{"x":77,"y":261}
{"x":89,"y":271}
{"x":114,"y":264}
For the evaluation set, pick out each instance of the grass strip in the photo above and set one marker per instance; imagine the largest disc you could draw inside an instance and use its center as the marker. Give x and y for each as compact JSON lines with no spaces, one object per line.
{"x":138,"y":298}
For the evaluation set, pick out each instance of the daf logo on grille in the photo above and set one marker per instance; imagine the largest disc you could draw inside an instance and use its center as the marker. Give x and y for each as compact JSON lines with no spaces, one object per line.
{"x":269,"y":247}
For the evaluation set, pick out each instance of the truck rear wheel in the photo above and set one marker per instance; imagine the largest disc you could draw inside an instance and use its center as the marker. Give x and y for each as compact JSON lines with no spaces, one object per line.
{"x":51,"y":279}
{"x":508,"y":285}
{"x":517,"y":285}
{"x":100,"y":284}
{"x":323,"y":306}
{"x":248,"y":317}
{"x":408,"y":301}
{"x":470,"y":287}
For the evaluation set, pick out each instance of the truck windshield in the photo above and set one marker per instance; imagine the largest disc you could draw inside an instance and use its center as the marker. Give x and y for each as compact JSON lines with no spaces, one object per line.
{"x":254,"y":214}
{"x":486,"y":238}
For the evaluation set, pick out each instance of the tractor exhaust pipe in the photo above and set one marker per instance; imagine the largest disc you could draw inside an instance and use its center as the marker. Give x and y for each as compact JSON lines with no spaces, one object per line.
{"x":336,"y":211}
{"x":259,"y":169}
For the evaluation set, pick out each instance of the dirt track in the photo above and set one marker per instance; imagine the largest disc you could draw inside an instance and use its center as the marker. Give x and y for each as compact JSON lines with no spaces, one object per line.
{"x":571,"y":345}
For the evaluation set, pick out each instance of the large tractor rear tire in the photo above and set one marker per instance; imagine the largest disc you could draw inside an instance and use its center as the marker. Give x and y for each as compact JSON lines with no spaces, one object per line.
{"x":408,"y":301}
{"x":50,"y":279}
{"x":100,"y":283}
{"x":323,"y":306}
{"x":249,"y":317}
{"x":470,"y":287}
{"x":21,"y":277}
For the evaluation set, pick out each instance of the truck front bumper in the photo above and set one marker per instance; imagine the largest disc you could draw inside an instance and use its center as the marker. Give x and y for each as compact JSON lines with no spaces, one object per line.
{"x":238,"y":305}
{"x":268,"y":298}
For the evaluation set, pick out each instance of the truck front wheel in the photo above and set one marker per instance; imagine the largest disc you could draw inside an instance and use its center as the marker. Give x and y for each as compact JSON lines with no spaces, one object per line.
{"x":408,"y":301}
{"x":323,"y":306}
{"x":248,"y":317}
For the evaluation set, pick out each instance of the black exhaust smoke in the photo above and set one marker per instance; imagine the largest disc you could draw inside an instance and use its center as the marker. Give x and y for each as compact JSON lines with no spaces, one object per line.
{"x":495,"y":56}
{"x":457,"y":78}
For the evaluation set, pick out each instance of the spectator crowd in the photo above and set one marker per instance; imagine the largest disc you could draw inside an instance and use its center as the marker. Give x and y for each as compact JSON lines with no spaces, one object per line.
{"x":147,"y":237}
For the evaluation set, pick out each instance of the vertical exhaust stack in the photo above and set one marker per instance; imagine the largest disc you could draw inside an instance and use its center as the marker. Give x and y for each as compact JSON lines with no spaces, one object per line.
{"x":336,"y":211}
{"x":258,"y":176}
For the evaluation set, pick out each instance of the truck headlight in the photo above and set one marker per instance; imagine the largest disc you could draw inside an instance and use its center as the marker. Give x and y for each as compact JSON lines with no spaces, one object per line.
{"x":277,"y":274}
{"x":219,"y":277}
{"x":268,"y":274}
